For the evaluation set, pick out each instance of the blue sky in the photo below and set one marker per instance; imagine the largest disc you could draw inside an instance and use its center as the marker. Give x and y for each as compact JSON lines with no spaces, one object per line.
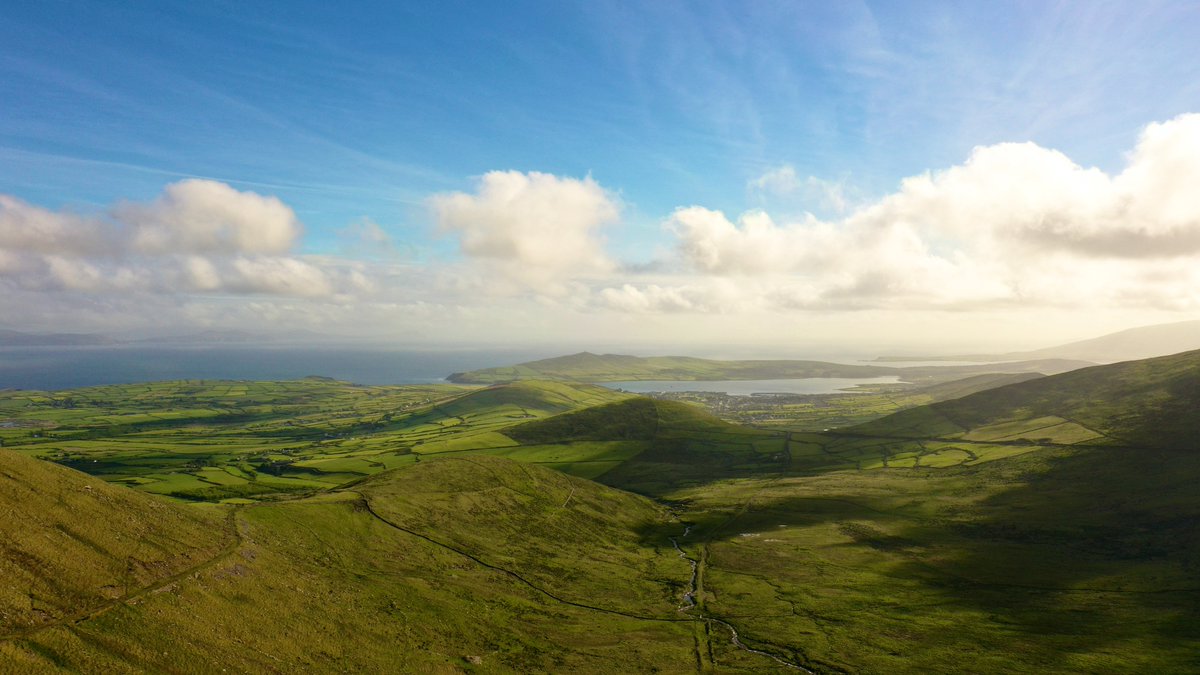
{"x":353,"y":111}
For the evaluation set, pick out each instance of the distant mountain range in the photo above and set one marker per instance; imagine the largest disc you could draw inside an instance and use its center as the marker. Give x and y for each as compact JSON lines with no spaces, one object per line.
{"x":1135,"y":343}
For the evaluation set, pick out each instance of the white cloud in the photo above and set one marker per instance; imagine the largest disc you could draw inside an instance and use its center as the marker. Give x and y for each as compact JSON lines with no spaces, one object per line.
{"x":1015,"y":224}
{"x":533,"y":229}
{"x":204,"y":216}
{"x":28,"y":228}
{"x":814,"y":193}
{"x":279,"y":276}
{"x":198,"y":236}
{"x":1014,"y":228}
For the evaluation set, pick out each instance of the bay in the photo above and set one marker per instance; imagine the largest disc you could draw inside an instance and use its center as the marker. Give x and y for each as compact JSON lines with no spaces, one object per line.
{"x":806,"y":385}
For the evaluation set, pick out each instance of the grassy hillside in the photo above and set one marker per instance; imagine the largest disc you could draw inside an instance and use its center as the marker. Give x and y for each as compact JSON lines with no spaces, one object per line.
{"x":70,"y":543}
{"x":1047,"y":525}
{"x":668,"y":444}
{"x":588,"y":367}
{"x":1148,"y":403}
{"x":447,"y":566}
{"x":951,"y":537}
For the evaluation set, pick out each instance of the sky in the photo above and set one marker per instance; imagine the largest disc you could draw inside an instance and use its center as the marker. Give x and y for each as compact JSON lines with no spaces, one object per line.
{"x":735,"y":177}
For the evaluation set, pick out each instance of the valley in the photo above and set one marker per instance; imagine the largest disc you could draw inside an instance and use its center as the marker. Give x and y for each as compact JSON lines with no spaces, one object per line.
{"x":1008,"y":521}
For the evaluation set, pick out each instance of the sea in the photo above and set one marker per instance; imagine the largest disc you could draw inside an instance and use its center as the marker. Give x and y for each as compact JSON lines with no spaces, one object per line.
{"x":52,"y":368}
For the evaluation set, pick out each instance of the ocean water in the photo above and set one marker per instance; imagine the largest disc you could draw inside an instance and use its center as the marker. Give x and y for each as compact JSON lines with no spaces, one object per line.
{"x":50,"y":368}
{"x":806,"y":385}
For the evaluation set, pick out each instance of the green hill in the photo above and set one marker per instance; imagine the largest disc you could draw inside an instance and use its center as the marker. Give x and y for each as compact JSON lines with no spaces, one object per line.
{"x":1148,"y":403}
{"x":588,"y":367}
{"x":667,"y":444}
{"x":448,"y":566}
{"x":71,"y":544}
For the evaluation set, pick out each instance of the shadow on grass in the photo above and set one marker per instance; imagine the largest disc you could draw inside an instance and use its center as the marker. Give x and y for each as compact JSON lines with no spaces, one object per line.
{"x":1070,"y":556}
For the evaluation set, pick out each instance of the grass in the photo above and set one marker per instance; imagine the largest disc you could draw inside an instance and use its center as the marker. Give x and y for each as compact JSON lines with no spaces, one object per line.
{"x":214,"y":440}
{"x":1041,"y":526}
{"x":401,"y":575}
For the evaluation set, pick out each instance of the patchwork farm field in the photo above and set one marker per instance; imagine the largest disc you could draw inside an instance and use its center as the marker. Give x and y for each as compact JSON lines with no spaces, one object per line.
{"x":216,"y":440}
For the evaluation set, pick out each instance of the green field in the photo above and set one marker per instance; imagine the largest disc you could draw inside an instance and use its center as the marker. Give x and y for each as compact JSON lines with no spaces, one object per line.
{"x":1046,"y":525}
{"x":211,"y":440}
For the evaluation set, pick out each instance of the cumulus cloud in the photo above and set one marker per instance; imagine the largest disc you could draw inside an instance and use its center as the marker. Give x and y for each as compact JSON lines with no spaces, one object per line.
{"x":197,"y":236}
{"x":532,"y":228}
{"x":204,"y":216}
{"x":1014,"y":224}
{"x":25,"y":227}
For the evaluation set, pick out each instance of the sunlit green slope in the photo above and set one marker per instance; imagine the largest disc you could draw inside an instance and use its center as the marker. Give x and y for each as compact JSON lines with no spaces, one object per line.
{"x":69,"y":543}
{"x":1049,"y":526}
{"x":447,"y":566}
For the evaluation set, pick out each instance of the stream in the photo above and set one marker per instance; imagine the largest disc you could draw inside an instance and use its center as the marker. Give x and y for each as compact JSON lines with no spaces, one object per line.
{"x":689,"y":603}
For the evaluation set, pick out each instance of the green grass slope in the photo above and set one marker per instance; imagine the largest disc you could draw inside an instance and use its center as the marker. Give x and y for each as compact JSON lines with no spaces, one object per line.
{"x":1149,"y":403}
{"x":450,"y":566}
{"x":70,"y":543}
{"x":673,"y":443}
{"x":571,"y":536}
{"x":999,"y":532}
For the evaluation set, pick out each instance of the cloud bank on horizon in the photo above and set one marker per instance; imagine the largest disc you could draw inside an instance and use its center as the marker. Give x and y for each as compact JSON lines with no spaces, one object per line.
{"x":1014,"y":226}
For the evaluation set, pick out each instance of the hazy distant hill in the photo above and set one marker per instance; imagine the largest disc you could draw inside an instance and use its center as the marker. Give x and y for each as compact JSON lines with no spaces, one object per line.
{"x":1135,"y":343}
{"x":13,"y":338}
{"x":588,"y":367}
{"x":208,"y":337}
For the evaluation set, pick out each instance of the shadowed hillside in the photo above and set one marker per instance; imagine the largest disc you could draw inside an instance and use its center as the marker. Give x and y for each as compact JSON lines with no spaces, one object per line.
{"x":1148,"y":403}
{"x":674,"y":443}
